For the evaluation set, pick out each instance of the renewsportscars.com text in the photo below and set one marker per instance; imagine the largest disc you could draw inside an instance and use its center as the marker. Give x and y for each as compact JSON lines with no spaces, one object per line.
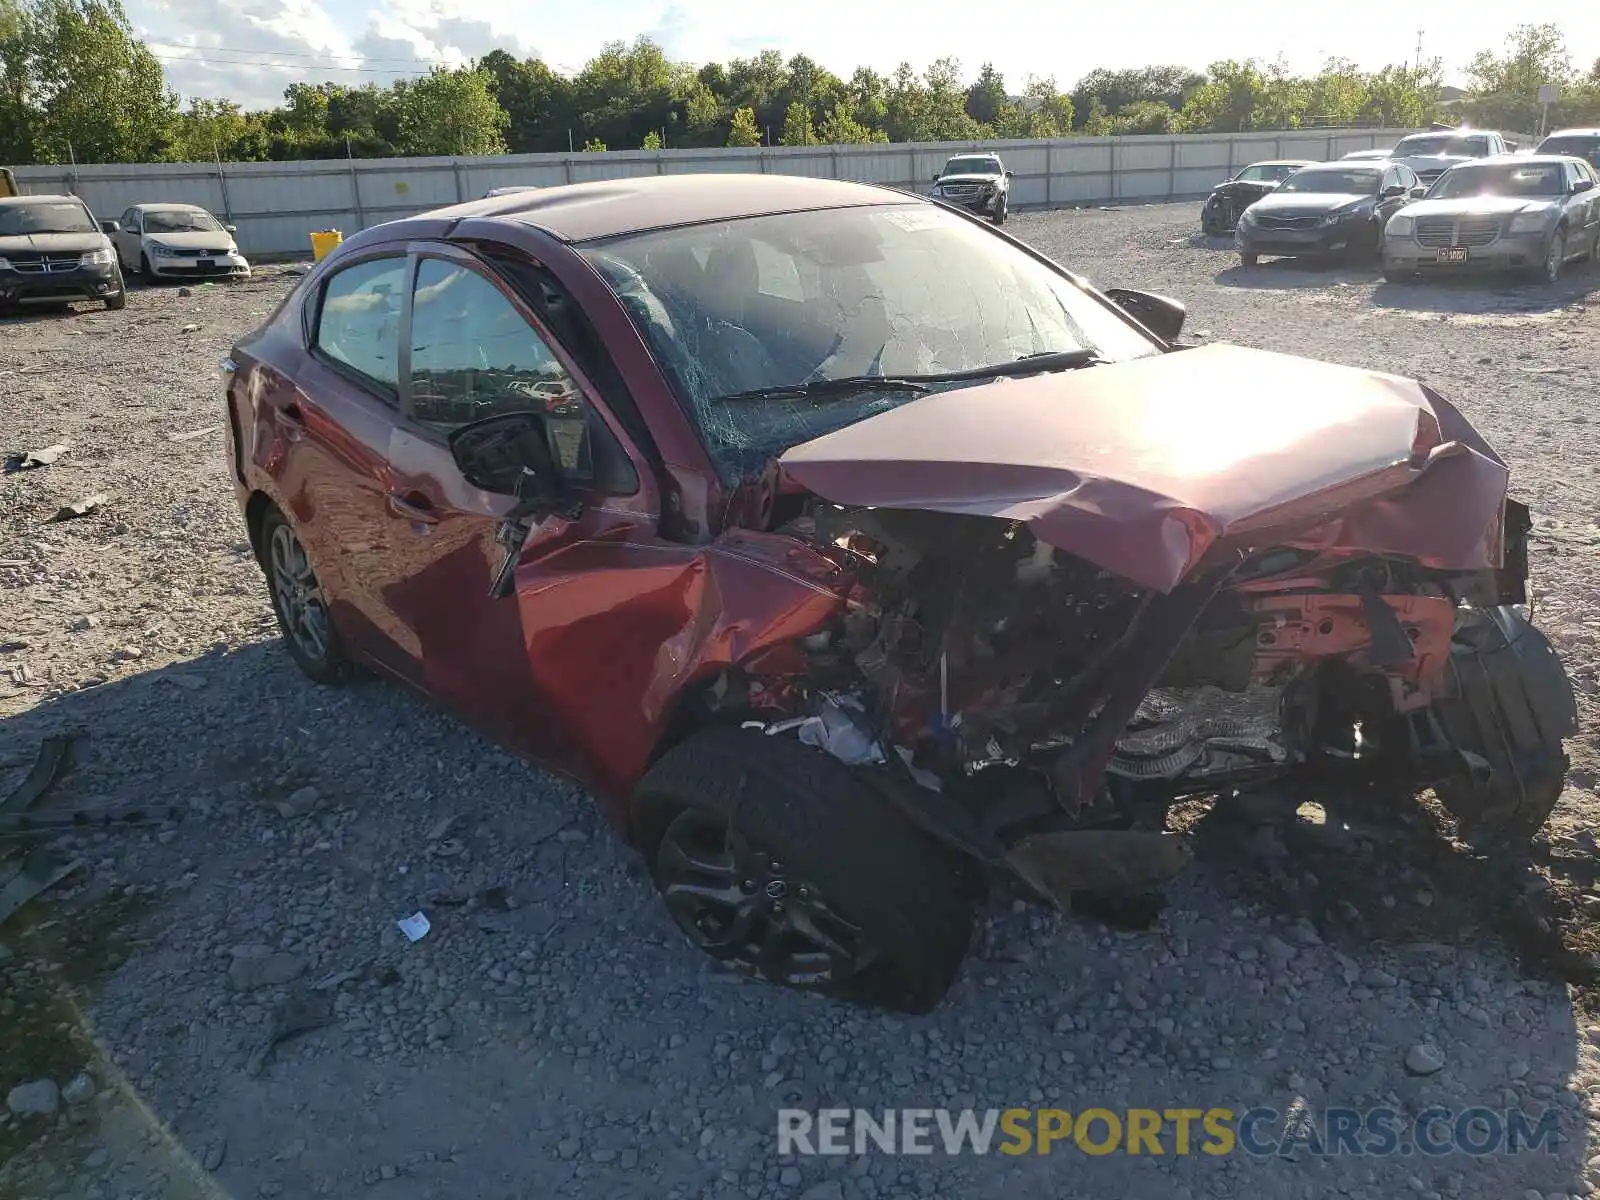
{"x":1258,"y":1132}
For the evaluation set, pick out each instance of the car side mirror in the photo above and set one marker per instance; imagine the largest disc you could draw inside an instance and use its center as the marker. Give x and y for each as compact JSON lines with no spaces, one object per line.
{"x":1418,"y":192}
{"x":230,"y":229}
{"x":508,"y":455}
{"x":1583,"y":185}
{"x":1390,"y":192}
{"x":110,"y":227}
{"x":936,"y":177}
{"x":1010,"y":174}
{"x":1161,"y":315}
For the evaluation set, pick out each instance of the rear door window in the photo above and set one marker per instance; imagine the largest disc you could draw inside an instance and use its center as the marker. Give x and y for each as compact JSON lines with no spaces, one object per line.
{"x":358,"y":323}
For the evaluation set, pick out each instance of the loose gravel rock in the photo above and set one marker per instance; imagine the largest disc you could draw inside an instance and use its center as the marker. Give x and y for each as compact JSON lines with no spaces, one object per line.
{"x":552,"y":1035}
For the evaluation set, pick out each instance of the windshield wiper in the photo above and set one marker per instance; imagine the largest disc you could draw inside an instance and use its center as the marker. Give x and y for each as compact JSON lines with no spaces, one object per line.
{"x":1028,"y":364}
{"x":845,"y":385}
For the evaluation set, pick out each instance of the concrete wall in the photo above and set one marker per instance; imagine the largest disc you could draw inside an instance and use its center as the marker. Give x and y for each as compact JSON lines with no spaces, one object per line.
{"x":276,"y":205}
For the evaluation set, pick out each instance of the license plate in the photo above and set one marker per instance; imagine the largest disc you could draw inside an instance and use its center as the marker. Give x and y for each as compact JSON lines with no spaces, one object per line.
{"x":1453,"y":254}
{"x":208,"y":263}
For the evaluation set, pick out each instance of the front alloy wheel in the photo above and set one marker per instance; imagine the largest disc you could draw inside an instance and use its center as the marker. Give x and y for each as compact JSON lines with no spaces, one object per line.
{"x":1555,"y":256}
{"x":746,"y":908}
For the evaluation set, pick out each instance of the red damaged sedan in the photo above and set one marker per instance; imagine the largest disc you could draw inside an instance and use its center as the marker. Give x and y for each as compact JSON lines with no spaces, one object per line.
{"x":871,"y":555}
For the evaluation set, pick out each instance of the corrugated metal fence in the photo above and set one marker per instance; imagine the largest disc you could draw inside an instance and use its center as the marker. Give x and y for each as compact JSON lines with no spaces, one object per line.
{"x":277,"y":204}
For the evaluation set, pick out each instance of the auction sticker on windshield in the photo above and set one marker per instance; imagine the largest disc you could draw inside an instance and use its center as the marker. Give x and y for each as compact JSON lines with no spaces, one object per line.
{"x":913,"y":221}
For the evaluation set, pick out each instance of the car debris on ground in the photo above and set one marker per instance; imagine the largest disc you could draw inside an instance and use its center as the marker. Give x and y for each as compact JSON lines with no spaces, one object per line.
{"x":80,"y":508}
{"x":30,"y":460}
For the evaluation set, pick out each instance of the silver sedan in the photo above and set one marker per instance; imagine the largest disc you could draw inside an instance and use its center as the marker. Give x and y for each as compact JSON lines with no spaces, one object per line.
{"x":1532,"y":213}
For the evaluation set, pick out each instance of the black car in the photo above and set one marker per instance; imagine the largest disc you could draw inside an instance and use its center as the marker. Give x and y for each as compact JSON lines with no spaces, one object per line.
{"x":1579,"y":143}
{"x":53,"y":252}
{"x":978,"y":183}
{"x":1238,"y":192}
{"x":1326,"y":209}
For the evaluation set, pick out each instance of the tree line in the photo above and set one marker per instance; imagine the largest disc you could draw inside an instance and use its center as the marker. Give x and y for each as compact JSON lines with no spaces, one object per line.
{"x":76,"y":85}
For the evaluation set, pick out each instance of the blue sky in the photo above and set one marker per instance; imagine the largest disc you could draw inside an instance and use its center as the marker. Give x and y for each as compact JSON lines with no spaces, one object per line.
{"x":220,"y":47}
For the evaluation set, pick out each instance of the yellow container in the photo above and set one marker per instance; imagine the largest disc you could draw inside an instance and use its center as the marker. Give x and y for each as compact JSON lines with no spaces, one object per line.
{"x":323,"y":241}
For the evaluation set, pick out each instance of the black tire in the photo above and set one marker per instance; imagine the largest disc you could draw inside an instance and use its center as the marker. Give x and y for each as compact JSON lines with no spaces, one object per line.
{"x":1555,"y":257}
{"x":119,"y":299}
{"x":1396,"y":277}
{"x":1513,"y":710}
{"x":1000,"y":211}
{"x":1246,"y":259}
{"x":328,"y":663}
{"x":145,"y":273}
{"x":910,"y":899}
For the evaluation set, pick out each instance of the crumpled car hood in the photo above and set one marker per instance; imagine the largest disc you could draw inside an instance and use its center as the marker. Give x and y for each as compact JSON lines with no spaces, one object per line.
{"x":1147,"y":467}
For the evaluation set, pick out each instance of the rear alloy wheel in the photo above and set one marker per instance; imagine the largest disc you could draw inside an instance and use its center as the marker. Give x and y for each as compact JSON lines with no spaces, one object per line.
{"x":299,"y":603}
{"x":780,"y":862}
{"x":1555,"y":256}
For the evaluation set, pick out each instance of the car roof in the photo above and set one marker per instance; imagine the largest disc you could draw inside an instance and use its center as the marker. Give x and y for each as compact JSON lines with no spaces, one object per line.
{"x":13,"y":201}
{"x":162,"y":206}
{"x":1594,"y":133}
{"x":1345,"y":164}
{"x":580,"y":212}
{"x":1281,"y":162}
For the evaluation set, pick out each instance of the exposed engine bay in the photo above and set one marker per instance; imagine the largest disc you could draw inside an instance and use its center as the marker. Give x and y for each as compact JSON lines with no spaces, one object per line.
{"x":1017,"y":689}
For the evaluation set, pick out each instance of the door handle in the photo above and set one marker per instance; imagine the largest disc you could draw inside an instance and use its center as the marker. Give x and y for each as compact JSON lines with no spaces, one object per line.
{"x":413,"y":506}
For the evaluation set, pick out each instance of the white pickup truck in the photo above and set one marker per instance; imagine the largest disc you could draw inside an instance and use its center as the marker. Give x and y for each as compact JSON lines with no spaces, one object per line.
{"x":1430,"y":155}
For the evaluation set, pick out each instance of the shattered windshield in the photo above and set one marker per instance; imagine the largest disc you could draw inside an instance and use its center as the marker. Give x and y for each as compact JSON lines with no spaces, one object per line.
{"x":1538,"y":179}
{"x":796,"y":300}
{"x":51,"y":216}
{"x":180,"y":220}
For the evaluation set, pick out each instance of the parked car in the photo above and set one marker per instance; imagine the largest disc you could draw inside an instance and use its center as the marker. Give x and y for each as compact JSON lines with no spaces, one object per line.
{"x":978,"y":183}
{"x":177,"y":241}
{"x":1238,"y":192}
{"x":52,"y":252}
{"x":888,"y":554}
{"x":1521,"y":213}
{"x":1579,"y":143}
{"x":1430,"y":155}
{"x":1368,"y":155}
{"x":1326,"y":209}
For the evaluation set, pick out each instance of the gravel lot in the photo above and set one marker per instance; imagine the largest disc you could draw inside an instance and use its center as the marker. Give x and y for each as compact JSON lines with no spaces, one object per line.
{"x":555,"y":1036}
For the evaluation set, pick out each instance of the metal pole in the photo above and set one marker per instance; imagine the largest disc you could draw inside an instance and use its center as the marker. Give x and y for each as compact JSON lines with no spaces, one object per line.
{"x":222,"y":182}
{"x":355,"y":185}
{"x":569,"y":143}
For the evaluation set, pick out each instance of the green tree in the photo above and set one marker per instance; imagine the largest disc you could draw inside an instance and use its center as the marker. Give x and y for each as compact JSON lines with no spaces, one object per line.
{"x":1144,"y":117}
{"x":1503,"y":90}
{"x":701,"y":111}
{"x":797,"y":129}
{"x":451,"y":112}
{"x":538,"y":102}
{"x":97,"y":94}
{"x":652,"y":141}
{"x":593,"y":146}
{"x":840,"y":128}
{"x":218,"y":129}
{"x":743,"y":131}
{"x":986,"y":98}
{"x":17,"y":114}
